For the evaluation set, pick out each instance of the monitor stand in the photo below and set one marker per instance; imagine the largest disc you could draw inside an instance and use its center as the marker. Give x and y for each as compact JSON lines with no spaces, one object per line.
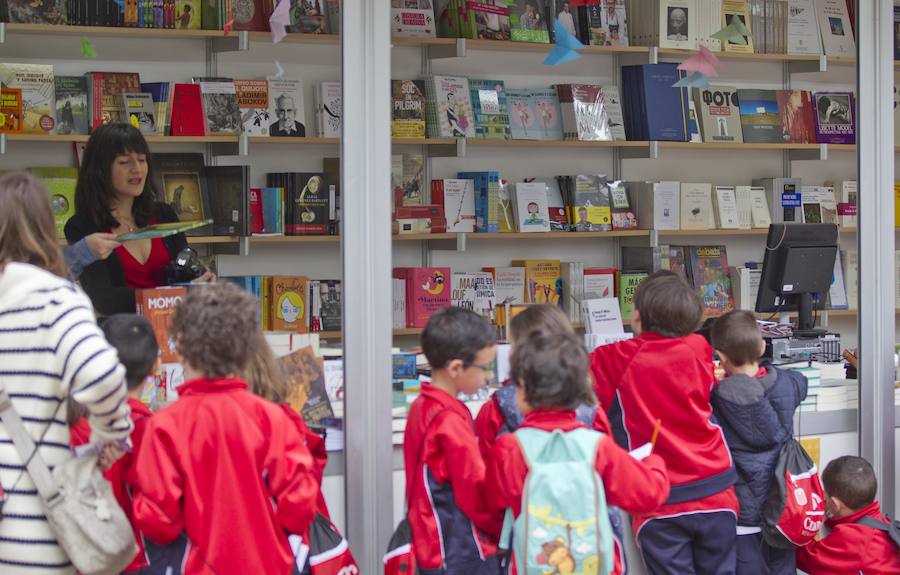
{"x":806,"y":325}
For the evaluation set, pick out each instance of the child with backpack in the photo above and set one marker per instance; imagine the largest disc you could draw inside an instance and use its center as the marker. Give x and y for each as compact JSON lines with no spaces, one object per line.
{"x":556,"y":475}
{"x":755,"y":406}
{"x":663,"y":379}
{"x":453,"y":525}
{"x":227,"y":467}
{"x":861,"y":538}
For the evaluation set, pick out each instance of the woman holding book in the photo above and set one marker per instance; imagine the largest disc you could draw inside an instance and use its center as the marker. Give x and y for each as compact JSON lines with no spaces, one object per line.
{"x":114,"y":195}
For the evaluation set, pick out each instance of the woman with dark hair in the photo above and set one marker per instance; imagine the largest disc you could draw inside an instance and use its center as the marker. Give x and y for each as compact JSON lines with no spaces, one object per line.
{"x":114,"y":195}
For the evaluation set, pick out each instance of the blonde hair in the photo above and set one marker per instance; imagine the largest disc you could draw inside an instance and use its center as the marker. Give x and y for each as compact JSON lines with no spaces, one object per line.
{"x":541,"y":318}
{"x":27,"y":227}
{"x":264,"y":373}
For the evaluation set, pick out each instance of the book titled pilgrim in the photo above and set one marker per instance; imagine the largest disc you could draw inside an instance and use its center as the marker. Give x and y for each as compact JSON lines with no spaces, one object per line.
{"x":835,"y":117}
{"x":307,"y":394}
{"x":449,"y":107}
{"x":253,"y":103}
{"x":490,"y":109}
{"x":528,"y":21}
{"x":709,"y":269}
{"x":408,"y":109}
{"x":797,"y":123}
{"x":306,"y":202}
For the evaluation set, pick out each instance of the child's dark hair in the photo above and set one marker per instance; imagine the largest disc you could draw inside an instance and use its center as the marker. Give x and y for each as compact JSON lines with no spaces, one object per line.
{"x":668,"y":305}
{"x":852,"y":480}
{"x":94,"y":192}
{"x":737,"y":335}
{"x":133,"y":337}
{"x":214,"y":328}
{"x":455,"y":333}
{"x":542,"y":318}
{"x":552,"y":368}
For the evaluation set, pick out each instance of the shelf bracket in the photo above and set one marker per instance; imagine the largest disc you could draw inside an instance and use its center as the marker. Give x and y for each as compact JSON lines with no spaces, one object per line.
{"x":809,"y":67}
{"x":452,"y":245}
{"x":2,"y":32}
{"x":3,"y":141}
{"x":440,"y":52}
{"x":651,"y":152}
{"x":814,"y":155}
{"x":454,"y":150}
{"x":239,"y":43}
{"x":653,"y":55}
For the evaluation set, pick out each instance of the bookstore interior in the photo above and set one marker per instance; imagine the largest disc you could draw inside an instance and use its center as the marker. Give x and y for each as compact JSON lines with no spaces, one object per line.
{"x":358,"y":165}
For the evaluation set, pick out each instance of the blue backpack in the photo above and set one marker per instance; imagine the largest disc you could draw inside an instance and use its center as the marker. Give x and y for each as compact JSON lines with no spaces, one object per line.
{"x":564,"y":524}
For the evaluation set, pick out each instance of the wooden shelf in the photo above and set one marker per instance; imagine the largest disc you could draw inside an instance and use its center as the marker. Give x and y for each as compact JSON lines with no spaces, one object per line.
{"x":157,"y":33}
{"x":559,"y":235}
{"x":423,"y":237}
{"x":720,"y":233}
{"x":286,"y":140}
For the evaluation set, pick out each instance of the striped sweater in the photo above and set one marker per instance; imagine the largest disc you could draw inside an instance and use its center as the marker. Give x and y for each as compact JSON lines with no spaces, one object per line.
{"x":50,"y":346}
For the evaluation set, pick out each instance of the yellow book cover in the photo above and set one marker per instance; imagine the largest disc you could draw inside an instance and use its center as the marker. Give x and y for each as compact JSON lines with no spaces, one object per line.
{"x":265,"y":296}
{"x":543,"y":282}
{"x":740,"y":10}
{"x":288,"y":304}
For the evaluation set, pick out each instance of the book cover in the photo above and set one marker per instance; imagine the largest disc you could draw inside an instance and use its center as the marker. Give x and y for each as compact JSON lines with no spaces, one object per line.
{"x":427,"y":291}
{"x":740,"y":10}
{"x":104,"y":89}
{"x":485,"y":19}
{"x":247,"y":15}
{"x":413,"y":19}
{"x":457,"y":199}
{"x":407,"y":174}
{"x":784,"y":198}
{"x":509,"y":286}
{"x":408,"y":109}
{"x":257,"y":217}
{"x":487,"y":208}
{"x":474,"y":291}
{"x":759,"y":208}
{"x":60,"y":182}
{"x":678,"y":24}
{"x":835,"y":117}
{"x":696,"y":137}
{"x":664,"y":109}
{"x":797,"y":121}
{"x":38,"y":94}
{"x":71,"y":105}
{"x":614,"y":111}
{"x":566,"y":14}
{"x":613,"y":24}
{"x":307,"y":395}
{"x":32,"y":12}
{"x":179,"y":179}
{"x":599,"y":283}
{"x":253,"y":103}
{"x":744,"y":201}
{"x":591,"y":211}
{"x":585,"y":116}
{"x":139,"y":111}
{"x":307,"y":17}
{"x":273,"y":210}
{"x":288,"y":304}
{"x":803,"y":28}
{"x":528,"y":21}
{"x":696,"y":206}
{"x":229,"y":194}
{"x":709,"y":267}
{"x":452,"y":107}
{"x":720,"y":114}
{"x":531,"y":209}
{"x":847,"y":195}
{"x":543,"y":280}
{"x":286,"y":108}
{"x":11,"y":117}
{"x":658,"y":204}
{"x":329,"y":109}
{"x":760,"y":117}
{"x":187,"y":111}
{"x":624,"y":216}
{"x":628,"y":284}
{"x":819,"y":205}
{"x":160,"y":92}
{"x":220,"y":108}
{"x":726,"y":204}
{"x":535,"y":114}
{"x":490,"y":109}
{"x":158,"y":307}
{"x":329,"y":300}
{"x":834,"y":23}
{"x":307,"y":202}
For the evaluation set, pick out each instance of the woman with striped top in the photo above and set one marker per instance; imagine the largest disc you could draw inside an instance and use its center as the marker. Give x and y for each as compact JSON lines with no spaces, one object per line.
{"x":50,"y":348}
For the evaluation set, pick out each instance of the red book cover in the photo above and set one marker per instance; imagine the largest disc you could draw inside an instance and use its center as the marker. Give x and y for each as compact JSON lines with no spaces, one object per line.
{"x":797,"y":121}
{"x":420,"y":211}
{"x":250,"y":15}
{"x":158,"y":306}
{"x":106,"y":88}
{"x":427,"y":291}
{"x":599,"y":282}
{"x":257,"y":223}
{"x":187,"y":111}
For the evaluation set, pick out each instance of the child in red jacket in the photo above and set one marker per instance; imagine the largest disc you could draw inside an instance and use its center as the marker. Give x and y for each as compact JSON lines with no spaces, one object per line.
{"x":133,"y":338}
{"x":852,"y":546}
{"x":550,"y":375}
{"x":453,"y":526}
{"x":665,"y":374}
{"x":228,"y":468}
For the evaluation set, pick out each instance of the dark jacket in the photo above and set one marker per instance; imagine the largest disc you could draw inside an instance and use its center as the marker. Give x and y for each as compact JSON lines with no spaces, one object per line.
{"x":104,"y":281}
{"x":757,"y":417}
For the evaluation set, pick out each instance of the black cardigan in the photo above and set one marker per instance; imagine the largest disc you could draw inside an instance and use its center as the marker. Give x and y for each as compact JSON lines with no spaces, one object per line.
{"x":104,"y":281}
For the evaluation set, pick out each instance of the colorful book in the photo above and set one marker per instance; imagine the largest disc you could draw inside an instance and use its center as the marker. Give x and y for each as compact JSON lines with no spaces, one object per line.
{"x":737,"y":10}
{"x":720,"y":114}
{"x":798,"y":125}
{"x":528,"y":21}
{"x":248,"y":15}
{"x":11,"y":118}
{"x":624,"y":216}
{"x":427,"y":291}
{"x":188,"y":15}
{"x":535,"y":114}
{"x":490,"y":109}
{"x":628,"y":284}
{"x":307,"y":394}
{"x":760,"y":117}
{"x":474,"y":291}
{"x":38,"y":94}
{"x":590,"y":210}
{"x":407,"y":109}
{"x":139,"y":111}
{"x":531,"y":209}
{"x":307,"y":202}
{"x":180,"y":179}
{"x":187,"y":111}
{"x":104,"y":89}
{"x":457,"y":199}
{"x":709,"y":270}
{"x":158,"y":307}
{"x":71,"y":105}
{"x":835,"y":114}
{"x":487,"y":190}
{"x":414,"y":18}
{"x":253,"y":103}
{"x":485,"y":19}
{"x":543,"y":282}
{"x":288,"y":303}
{"x":160,"y":92}
{"x":449,"y":107}
{"x":307,"y":17}
{"x":60,"y":182}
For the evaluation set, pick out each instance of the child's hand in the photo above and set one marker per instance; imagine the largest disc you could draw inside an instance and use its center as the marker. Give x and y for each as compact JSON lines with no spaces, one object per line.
{"x":109,"y":454}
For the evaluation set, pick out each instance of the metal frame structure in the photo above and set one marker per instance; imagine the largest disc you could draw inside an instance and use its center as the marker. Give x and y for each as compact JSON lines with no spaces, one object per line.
{"x":366,"y":253}
{"x":875,"y":139}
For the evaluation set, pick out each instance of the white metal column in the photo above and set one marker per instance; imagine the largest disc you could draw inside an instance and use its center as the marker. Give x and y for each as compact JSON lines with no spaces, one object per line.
{"x":875,"y":62}
{"x":366,"y":249}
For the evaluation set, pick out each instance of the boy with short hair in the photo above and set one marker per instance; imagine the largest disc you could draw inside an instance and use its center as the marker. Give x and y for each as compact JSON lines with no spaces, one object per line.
{"x":453,"y":525}
{"x":228,"y":468}
{"x":755,"y":406}
{"x":851,"y":547}
{"x":549,"y":372}
{"x":664,"y":377}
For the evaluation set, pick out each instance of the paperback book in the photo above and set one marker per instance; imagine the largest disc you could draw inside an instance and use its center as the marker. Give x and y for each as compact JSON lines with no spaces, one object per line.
{"x":329,"y":110}
{"x":490,"y":108}
{"x":720,"y":114}
{"x":413,"y":18}
{"x":286,"y":108}
{"x":797,"y":122}
{"x":531,"y":209}
{"x":220,"y":108}
{"x":485,"y":20}
{"x":528,"y":21}
{"x":835,"y":117}
{"x":71,"y":105}
{"x":408,"y":109}
{"x":449,"y":107}
{"x":760,"y":117}
{"x":535,"y":114}
{"x":38,"y":94}
{"x":709,"y":270}
{"x":474,"y":291}
{"x":60,"y":183}
{"x":253,"y":103}
{"x":139,"y":111}
{"x":10,"y":110}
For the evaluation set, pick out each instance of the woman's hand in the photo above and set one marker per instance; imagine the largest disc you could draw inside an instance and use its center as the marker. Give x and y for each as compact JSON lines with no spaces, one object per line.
{"x":207,"y":278}
{"x":109,"y":455}
{"x":101,"y":245}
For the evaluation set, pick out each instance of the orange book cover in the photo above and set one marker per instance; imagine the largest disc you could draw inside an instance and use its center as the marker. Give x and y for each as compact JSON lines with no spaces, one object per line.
{"x":10,"y":110}
{"x":543,"y":281}
{"x":288,"y":304}
{"x":158,"y":306}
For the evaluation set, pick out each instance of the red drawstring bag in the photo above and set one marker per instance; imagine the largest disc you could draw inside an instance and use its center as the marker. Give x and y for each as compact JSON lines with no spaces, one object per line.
{"x":795,"y":510}
{"x":327,"y":552}
{"x":400,"y":559}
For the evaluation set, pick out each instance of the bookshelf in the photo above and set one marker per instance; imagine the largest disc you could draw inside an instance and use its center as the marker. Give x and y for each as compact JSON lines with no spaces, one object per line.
{"x":14,"y":29}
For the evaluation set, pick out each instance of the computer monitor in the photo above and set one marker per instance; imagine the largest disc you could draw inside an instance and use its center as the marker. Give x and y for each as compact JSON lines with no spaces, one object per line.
{"x":797,"y":271}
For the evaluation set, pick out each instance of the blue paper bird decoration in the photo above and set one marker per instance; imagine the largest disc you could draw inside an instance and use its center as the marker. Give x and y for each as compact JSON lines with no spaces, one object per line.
{"x":565,"y":49}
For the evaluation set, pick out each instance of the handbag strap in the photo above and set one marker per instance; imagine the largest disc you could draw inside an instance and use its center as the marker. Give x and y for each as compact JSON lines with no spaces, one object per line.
{"x":28,"y":451}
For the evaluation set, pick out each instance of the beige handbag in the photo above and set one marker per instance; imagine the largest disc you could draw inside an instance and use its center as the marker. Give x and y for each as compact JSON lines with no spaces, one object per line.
{"x":82,"y":511}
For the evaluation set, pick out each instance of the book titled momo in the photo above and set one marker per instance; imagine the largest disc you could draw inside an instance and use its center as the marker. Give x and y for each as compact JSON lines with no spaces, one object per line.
{"x":60,"y":183}
{"x":407,"y":109}
{"x":720,"y":114}
{"x":490,"y":109}
{"x":288,"y":303}
{"x":427,"y":291}
{"x":449,"y":107}
{"x":835,"y":114}
{"x":528,"y":21}
{"x":306,"y":202}
{"x":253,"y":103}
{"x":760,"y":117}
{"x":104,"y":89}
{"x":71,"y":105}
{"x":798,"y":125}
{"x":414,"y":18}
{"x":158,"y":307}
{"x":709,"y":270}
{"x":38,"y":94}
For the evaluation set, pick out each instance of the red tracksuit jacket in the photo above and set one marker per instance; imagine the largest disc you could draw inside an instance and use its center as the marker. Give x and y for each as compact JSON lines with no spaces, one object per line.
{"x":231,"y":470}
{"x":650,"y":378}
{"x":316,"y":446}
{"x":447,"y":499}
{"x":119,"y":474}
{"x":629,"y":484}
{"x":851,"y":548}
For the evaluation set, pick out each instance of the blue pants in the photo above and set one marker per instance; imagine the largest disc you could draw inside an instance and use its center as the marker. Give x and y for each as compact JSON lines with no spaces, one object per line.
{"x":693,"y":544}
{"x":755,"y":557}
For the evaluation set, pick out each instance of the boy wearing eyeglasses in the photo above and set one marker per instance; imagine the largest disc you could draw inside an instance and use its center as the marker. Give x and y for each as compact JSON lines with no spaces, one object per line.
{"x":453,"y":526}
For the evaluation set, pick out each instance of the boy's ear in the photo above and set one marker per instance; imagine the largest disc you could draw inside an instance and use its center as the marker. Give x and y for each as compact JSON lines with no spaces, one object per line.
{"x":636,"y":321}
{"x":723,"y":357}
{"x":455,"y":367}
{"x":762,"y":348}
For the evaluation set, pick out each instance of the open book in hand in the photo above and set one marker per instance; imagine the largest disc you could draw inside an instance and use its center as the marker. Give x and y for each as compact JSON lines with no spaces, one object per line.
{"x":162,"y":230}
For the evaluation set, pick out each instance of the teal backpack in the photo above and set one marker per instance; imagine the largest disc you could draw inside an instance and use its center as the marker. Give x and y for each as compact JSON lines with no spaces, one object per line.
{"x":563,"y":528}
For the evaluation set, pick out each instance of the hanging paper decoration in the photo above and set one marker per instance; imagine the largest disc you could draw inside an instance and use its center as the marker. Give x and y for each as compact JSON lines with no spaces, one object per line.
{"x":87,"y":49}
{"x":565,"y":49}
{"x":704,"y":62}
{"x":280,"y":20}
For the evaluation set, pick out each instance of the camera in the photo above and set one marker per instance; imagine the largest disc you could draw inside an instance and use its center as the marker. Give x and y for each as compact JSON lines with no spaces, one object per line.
{"x":185,"y":267}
